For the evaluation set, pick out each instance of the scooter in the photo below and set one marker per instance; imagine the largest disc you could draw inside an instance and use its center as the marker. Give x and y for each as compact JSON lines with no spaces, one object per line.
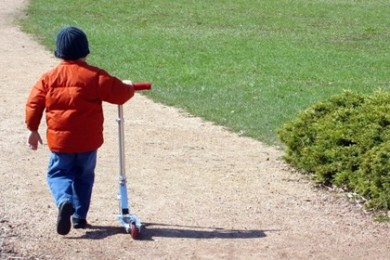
{"x":129,"y":221}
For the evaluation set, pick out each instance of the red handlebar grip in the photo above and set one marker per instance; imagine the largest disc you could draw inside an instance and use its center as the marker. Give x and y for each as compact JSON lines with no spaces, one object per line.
{"x":142,"y":86}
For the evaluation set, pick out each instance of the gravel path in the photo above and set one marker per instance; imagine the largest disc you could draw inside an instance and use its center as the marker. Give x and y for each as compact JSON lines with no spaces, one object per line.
{"x":201,"y":191}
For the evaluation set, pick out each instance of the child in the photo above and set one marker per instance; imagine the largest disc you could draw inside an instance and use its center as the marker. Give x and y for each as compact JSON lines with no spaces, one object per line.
{"x":71,"y":95}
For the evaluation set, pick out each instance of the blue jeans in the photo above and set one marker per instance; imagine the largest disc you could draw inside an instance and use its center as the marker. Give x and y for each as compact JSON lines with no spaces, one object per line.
{"x":70,"y":178}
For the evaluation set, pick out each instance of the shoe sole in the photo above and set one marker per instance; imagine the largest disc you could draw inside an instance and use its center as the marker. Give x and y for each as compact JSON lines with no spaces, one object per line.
{"x":85,"y":226}
{"x":79,"y":223}
{"x":63,"y":222}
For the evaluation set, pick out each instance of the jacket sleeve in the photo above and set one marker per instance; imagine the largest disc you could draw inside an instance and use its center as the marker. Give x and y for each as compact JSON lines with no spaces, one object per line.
{"x":35,"y":106}
{"x":113,"y":90}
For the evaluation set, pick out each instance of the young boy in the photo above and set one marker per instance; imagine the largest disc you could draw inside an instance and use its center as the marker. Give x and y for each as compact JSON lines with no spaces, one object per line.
{"x":71,"y":95}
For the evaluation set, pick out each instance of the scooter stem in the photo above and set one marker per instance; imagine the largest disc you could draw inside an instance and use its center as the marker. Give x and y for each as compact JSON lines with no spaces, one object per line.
{"x":122,"y":168}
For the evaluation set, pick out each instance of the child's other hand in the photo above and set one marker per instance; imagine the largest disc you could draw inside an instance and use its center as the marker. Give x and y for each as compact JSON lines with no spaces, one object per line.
{"x":33,"y":139}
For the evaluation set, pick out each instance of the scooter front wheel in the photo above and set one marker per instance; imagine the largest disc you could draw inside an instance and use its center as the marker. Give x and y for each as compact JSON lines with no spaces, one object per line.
{"x":134,"y":231}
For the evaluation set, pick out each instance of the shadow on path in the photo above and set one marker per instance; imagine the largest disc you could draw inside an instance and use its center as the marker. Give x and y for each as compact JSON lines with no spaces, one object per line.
{"x":152,"y":230}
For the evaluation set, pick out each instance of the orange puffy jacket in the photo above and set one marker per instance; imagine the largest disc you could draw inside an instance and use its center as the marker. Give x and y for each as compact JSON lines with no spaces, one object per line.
{"x":72,"y":95}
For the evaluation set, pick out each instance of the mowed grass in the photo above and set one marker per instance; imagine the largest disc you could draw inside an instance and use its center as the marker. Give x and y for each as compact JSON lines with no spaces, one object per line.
{"x":249,"y":65}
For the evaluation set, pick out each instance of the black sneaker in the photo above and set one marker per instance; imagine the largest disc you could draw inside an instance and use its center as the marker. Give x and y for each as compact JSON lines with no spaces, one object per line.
{"x":80,"y":223}
{"x":63,"y":221}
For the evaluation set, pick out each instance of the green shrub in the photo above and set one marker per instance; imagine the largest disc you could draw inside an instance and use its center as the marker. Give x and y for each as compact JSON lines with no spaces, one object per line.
{"x":344,"y":141}
{"x":372,"y":180}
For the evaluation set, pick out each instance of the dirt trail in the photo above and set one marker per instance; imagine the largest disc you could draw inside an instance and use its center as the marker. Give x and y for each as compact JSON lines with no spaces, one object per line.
{"x":202,"y":192}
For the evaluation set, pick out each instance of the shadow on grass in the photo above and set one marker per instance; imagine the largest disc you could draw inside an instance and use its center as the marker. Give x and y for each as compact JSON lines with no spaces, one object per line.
{"x":153,"y":230}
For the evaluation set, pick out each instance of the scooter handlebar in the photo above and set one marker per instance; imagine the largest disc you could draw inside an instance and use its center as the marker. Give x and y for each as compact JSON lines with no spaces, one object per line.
{"x":142,"y":86}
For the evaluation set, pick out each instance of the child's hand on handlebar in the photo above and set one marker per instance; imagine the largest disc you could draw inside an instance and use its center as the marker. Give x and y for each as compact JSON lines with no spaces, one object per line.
{"x":127,"y":81}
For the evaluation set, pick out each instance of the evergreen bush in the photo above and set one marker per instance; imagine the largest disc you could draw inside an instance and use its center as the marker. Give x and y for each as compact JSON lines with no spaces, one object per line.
{"x":344,"y":141}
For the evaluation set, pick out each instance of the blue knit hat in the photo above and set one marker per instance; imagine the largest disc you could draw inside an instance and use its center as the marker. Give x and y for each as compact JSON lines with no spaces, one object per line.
{"x":71,"y":44}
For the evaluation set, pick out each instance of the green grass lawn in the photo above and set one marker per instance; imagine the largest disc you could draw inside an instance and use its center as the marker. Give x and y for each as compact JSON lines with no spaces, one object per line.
{"x":250,"y":65}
